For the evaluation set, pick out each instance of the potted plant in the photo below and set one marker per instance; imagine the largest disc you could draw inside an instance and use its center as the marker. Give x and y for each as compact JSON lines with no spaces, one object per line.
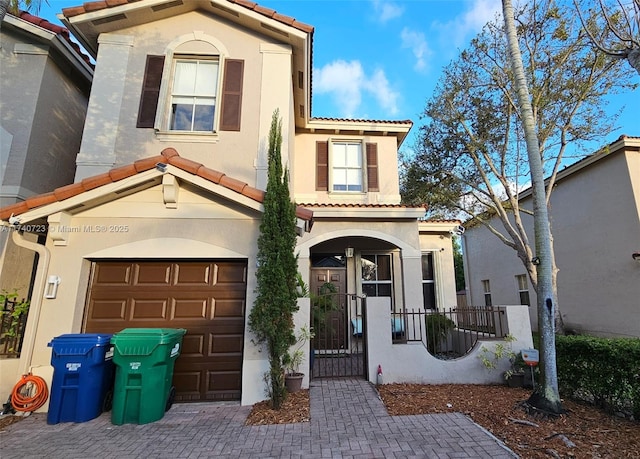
{"x":292,"y":361}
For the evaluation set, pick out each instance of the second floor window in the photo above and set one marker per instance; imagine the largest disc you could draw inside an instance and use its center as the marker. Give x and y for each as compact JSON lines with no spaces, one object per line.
{"x":346,"y":166}
{"x":192,"y":91}
{"x":193,"y":95}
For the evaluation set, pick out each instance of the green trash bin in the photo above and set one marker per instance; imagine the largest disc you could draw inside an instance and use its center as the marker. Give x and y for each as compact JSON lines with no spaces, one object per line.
{"x":144,"y":360}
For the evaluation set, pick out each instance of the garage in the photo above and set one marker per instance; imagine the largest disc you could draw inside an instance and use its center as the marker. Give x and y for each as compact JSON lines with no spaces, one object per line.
{"x":205,"y":297}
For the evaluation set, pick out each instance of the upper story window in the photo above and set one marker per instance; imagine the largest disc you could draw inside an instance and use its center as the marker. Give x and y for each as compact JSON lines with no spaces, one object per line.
{"x":201,"y":94}
{"x":346,"y":166}
{"x":341,"y":166}
{"x":193,"y":95}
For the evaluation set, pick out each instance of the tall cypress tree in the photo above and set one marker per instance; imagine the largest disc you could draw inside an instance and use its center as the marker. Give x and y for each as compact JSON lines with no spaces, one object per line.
{"x":271,"y":318}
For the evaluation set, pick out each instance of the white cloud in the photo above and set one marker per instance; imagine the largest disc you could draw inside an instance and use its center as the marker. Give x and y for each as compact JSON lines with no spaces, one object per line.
{"x":347,"y":81}
{"x":386,"y":11}
{"x":378,"y":85}
{"x":470,"y":22}
{"x":418,"y":44}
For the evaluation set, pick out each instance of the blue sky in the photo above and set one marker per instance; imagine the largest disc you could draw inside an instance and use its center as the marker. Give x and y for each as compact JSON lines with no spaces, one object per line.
{"x":380,"y":59}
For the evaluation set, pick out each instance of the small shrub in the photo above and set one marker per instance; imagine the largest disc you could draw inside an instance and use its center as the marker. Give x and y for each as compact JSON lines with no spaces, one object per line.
{"x":604,"y":371}
{"x":438,"y":328}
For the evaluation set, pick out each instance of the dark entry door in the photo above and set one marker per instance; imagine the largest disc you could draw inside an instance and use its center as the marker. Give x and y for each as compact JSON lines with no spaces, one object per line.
{"x":329,"y":313}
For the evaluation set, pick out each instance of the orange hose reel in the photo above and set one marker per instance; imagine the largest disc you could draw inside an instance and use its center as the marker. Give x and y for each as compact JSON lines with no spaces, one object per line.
{"x":29,"y":394}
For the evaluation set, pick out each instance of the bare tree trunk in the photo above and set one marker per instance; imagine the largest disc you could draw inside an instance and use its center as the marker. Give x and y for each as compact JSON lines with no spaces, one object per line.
{"x":546,"y":396}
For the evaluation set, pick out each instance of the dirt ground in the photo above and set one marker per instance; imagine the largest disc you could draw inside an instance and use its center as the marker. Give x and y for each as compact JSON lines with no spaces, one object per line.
{"x":584,"y":432}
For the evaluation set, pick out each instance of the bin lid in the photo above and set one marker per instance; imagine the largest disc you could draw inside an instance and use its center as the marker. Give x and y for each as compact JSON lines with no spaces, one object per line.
{"x":143,"y":341}
{"x":79,"y":343}
{"x":161,"y":335}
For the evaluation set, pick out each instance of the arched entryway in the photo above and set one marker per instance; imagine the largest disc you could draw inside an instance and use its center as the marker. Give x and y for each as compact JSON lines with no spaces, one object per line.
{"x":343,"y":272}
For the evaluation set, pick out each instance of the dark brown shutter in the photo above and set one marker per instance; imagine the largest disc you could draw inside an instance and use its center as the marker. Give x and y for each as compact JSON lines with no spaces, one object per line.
{"x":322,"y":166}
{"x":150,"y":91}
{"x":372,"y":167}
{"x":232,"y":95}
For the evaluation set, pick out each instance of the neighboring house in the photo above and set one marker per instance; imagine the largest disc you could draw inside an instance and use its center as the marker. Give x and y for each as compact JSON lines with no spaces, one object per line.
{"x":160,"y":227}
{"x":595,"y":221}
{"x":44,"y":91}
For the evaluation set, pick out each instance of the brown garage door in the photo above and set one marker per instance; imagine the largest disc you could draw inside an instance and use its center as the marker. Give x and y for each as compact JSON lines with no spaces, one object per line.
{"x":207,"y":298}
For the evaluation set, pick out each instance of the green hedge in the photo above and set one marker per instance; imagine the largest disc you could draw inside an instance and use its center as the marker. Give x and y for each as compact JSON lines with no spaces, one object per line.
{"x":604,"y":371}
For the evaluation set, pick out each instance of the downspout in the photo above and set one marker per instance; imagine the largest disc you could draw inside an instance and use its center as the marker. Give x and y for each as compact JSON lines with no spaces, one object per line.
{"x":44,"y":256}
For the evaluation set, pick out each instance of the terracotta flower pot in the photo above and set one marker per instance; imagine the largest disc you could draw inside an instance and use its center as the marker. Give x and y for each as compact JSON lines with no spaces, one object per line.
{"x":293,"y":381}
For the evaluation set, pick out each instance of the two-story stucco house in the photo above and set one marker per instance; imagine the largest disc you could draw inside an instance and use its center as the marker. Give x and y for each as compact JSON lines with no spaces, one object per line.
{"x":595,"y":220}
{"x":160,"y":227}
{"x":44,"y":92}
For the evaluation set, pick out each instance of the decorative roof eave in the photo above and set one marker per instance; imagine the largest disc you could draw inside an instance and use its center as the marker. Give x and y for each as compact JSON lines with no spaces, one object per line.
{"x":438,"y":225}
{"x":87,"y":19}
{"x":142,"y":174}
{"x":57,"y":36}
{"x":399,"y":128}
{"x":371,"y":211}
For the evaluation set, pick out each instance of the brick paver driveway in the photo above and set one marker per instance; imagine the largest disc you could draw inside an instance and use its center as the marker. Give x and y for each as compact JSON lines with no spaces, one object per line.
{"x":348,"y":420}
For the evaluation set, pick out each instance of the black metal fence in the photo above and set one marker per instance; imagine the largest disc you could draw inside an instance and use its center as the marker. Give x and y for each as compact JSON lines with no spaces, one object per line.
{"x":338,"y":348}
{"x":448,"y":333}
{"x":12,"y":323}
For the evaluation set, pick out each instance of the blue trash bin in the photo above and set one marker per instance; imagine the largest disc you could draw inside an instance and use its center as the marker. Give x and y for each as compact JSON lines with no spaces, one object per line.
{"x":83,"y":374}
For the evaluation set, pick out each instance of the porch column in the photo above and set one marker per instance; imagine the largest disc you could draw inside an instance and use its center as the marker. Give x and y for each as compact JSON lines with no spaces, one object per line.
{"x":412,"y":280}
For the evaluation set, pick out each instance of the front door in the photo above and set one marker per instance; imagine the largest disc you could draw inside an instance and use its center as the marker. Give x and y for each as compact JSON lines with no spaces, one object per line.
{"x":329,"y":309}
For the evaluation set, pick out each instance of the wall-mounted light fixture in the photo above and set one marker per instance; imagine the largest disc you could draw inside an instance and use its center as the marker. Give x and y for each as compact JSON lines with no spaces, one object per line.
{"x":348,"y":252}
{"x":51,"y":289}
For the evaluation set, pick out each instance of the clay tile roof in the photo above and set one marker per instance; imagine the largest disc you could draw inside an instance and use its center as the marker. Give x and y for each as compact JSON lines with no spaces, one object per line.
{"x":357,"y":120}
{"x":56,"y":29}
{"x":267,"y":12}
{"x":167,"y":156}
{"x":356,"y":205}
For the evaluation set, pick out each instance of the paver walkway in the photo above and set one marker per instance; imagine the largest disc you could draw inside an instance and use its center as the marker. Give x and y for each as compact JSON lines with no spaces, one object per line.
{"x":348,"y":420}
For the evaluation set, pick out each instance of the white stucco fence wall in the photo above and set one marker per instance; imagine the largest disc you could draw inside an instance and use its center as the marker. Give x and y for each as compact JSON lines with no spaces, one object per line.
{"x":412,"y":363}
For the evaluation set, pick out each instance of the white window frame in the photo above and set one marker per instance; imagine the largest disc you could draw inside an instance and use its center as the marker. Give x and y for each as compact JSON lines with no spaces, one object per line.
{"x":486,"y":288}
{"x":377,"y":281}
{"x":179,"y":49}
{"x":430,"y":281}
{"x":194,"y":95}
{"x":332,"y":166}
{"x":522,"y":282}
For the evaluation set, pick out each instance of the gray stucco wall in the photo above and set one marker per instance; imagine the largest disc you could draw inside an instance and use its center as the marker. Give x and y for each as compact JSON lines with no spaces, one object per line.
{"x":596,"y":227}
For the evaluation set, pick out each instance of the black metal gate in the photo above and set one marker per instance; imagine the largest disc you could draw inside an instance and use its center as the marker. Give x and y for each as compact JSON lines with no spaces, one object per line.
{"x":338,"y":348}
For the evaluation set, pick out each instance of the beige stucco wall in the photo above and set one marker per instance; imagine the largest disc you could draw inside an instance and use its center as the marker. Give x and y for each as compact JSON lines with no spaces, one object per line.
{"x":400,"y":238}
{"x":111,"y":137}
{"x":596,"y":227}
{"x":411,"y":362}
{"x":440,"y":245}
{"x":304,"y":176}
{"x":140,"y":226}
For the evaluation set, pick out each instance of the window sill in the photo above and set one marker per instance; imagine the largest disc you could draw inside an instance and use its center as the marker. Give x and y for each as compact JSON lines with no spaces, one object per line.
{"x":192,"y":137}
